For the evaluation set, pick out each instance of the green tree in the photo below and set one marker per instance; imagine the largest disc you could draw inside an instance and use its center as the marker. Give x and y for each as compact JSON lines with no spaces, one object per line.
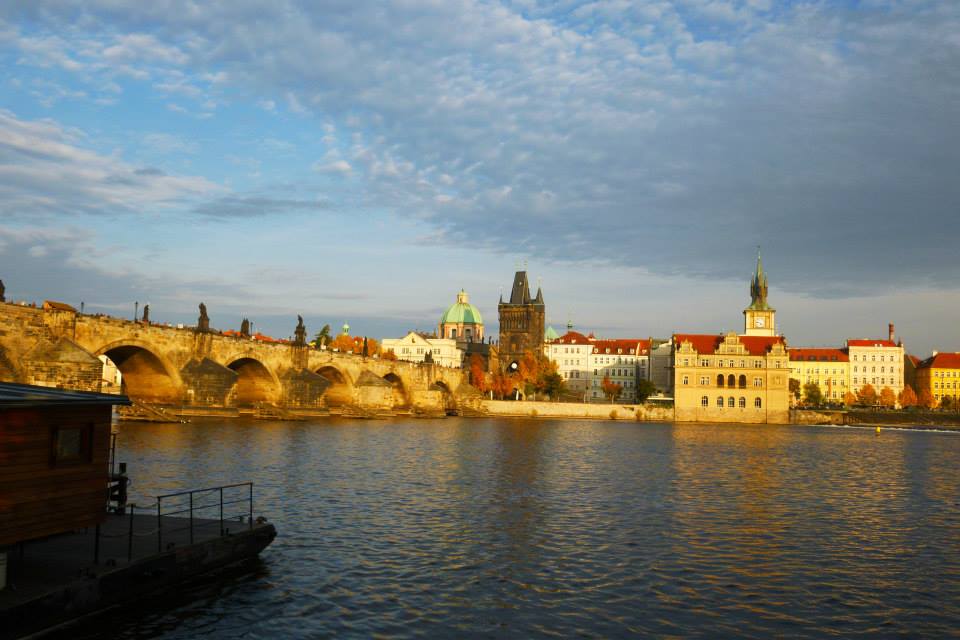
{"x":946,"y":403}
{"x":812,"y":395}
{"x":553,"y":384}
{"x":795,"y":388}
{"x":322,"y":337}
{"x":645,"y":389}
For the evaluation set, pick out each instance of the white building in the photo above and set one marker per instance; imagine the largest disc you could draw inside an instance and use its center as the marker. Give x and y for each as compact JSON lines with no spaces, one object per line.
{"x":571,"y":352}
{"x":624,"y":361}
{"x":878,"y":363}
{"x":413,"y":347}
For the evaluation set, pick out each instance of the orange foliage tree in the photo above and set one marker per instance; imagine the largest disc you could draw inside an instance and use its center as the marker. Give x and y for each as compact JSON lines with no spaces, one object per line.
{"x":388,"y":355}
{"x":887,"y":397}
{"x":926,"y":399}
{"x":610,"y":388}
{"x":503,"y":384}
{"x":849,"y":399}
{"x":908,"y":397}
{"x":867,"y":395}
{"x":478,"y":372}
{"x":343,"y":343}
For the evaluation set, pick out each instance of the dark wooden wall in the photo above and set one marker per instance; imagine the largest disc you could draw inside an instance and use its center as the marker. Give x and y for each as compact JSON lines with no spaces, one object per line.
{"x":38,"y":497}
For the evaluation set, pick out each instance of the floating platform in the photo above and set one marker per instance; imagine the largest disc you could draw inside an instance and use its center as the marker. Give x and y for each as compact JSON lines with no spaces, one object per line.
{"x":55,"y":581}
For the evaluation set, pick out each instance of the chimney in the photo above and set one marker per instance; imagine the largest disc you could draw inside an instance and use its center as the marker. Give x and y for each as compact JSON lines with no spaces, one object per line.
{"x":890,"y":328}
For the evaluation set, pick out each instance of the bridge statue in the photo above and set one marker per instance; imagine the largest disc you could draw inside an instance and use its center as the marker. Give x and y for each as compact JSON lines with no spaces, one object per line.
{"x":203,"y":322}
{"x":3,"y":290}
{"x":245,"y":328}
{"x":300,"y":333}
{"x":146,"y":314}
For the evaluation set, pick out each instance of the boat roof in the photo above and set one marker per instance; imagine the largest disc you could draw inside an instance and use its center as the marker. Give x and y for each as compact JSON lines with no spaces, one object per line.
{"x":28,"y":395}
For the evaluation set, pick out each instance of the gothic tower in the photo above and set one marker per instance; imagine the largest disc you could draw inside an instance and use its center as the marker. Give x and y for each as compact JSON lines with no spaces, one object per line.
{"x":759,"y":318}
{"x":522,"y":321}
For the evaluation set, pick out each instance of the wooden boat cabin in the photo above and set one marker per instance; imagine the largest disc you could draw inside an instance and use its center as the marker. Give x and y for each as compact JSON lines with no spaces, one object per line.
{"x":54,"y":460}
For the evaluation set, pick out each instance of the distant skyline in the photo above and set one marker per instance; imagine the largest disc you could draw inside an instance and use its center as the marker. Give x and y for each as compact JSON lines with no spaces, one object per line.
{"x":362,"y":163}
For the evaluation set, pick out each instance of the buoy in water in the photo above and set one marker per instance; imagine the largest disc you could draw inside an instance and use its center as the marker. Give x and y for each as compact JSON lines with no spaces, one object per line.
{"x":878,"y":431}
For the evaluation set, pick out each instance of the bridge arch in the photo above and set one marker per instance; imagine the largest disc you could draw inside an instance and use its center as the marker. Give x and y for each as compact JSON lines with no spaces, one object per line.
{"x":145,"y":375}
{"x":449,"y":402}
{"x":340,"y":392}
{"x":255,"y":382}
{"x":401,"y":398}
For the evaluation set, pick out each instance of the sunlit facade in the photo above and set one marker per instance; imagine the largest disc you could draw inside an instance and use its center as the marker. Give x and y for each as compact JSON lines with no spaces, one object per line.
{"x":828,"y":368}
{"x":940,"y":375}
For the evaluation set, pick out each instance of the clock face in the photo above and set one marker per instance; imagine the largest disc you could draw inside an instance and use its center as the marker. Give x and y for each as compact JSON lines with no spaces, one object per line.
{"x":758,"y":322}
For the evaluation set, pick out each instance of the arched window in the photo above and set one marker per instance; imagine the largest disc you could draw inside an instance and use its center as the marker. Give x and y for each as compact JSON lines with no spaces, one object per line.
{"x":757,"y":403}
{"x":704,"y":401}
{"x":743,"y":402}
{"x":469,"y":335}
{"x":731,"y":402}
{"x":720,"y":401}
{"x":731,"y":380}
{"x":453,"y":333}
{"x":742,"y":382}
{"x":719,"y":379}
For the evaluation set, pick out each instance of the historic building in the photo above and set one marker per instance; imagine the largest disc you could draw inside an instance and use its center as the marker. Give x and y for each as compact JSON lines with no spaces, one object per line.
{"x":522,"y":321}
{"x":828,"y":368}
{"x":461,"y":321}
{"x":624,"y":361}
{"x":876,"y":362}
{"x":571,"y":352}
{"x":414,"y":347}
{"x":940,"y":375}
{"x":734,"y":378}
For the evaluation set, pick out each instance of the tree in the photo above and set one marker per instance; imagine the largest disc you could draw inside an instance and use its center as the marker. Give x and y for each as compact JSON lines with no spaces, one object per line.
{"x":867,"y":395}
{"x":388,"y":355}
{"x":926,"y":400}
{"x":478,"y":372}
{"x":373,"y":347}
{"x":322,"y":337}
{"x":849,"y":399}
{"x":812,"y":395}
{"x":645,"y":389}
{"x":502,"y":384}
{"x":908,"y":397}
{"x":946,"y":403}
{"x":342,"y":342}
{"x":888,"y":398}
{"x":553,"y":385}
{"x":795,"y":388}
{"x":610,"y":389}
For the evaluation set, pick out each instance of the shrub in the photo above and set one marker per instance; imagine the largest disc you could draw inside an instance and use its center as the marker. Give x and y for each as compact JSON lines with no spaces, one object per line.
{"x":613,"y":414}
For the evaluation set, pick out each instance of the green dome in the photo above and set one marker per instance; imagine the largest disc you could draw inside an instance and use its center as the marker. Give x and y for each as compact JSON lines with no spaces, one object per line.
{"x":461,"y":311}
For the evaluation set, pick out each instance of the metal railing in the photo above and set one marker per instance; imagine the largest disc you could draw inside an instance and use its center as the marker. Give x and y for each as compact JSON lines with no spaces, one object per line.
{"x":186,"y":502}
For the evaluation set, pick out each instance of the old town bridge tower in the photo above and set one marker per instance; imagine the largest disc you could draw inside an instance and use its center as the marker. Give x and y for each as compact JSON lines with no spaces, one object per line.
{"x":522,"y":321}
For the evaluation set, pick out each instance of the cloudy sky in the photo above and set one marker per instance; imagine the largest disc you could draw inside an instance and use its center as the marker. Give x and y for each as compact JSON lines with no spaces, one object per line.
{"x":364,"y":161}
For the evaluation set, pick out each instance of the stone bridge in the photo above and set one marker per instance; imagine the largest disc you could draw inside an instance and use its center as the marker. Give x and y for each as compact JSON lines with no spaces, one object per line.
{"x":188,"y":370}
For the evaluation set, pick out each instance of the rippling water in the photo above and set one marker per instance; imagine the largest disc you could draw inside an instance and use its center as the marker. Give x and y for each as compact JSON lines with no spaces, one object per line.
{"x":470,"y":528}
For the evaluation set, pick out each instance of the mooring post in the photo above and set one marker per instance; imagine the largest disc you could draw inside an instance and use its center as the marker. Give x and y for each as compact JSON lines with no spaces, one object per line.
{"x":159,"y":528}
{"x":221,"y":512}
{"x":191,"y":517}
{"x":251,"y":506}
{"x":130,"y":535}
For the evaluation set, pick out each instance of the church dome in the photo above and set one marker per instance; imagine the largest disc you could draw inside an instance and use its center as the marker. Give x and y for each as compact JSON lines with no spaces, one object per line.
{"x":461,"y":312}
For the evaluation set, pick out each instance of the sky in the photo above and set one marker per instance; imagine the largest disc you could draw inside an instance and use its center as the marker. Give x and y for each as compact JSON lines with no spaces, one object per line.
{"x":362,"y":162}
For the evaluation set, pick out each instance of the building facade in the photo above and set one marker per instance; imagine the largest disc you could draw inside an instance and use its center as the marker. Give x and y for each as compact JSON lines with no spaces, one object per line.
{"x":413,"y":347}
{"x":571,"y":352}
{"x":461,"y":321}
{"x":623,"y":361}
{"x":734,"y":378}
{"x":828,"y":368}
{"x":876,"y":362}
{"x":522,"y":321}
{"x":940,"y":375}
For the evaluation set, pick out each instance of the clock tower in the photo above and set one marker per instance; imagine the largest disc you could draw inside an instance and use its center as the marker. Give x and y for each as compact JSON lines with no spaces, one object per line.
{"x":759,"y":317}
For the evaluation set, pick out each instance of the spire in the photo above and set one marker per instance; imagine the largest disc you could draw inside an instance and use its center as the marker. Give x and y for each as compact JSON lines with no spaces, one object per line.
{"x":758,"y":286}
{"x":520,"y":294}
{"x":539,"y":298}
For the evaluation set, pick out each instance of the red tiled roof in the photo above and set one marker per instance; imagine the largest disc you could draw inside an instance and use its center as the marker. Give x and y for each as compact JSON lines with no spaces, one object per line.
{"x":629,"y":346}
{"x":818,"y":354}
{"x":866,"y":342}
{"x":914,"y":359}
{"x":573,"y":337}
{"x":941,"y":361}
{"x":708,"y":343}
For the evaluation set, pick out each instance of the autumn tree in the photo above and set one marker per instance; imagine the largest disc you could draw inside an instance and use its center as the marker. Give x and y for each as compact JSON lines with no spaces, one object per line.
{"x":795,"y":388}
{"x":343,"y":343}
{"x":908,"y":397}
{"x":888,"y":398}
{"x":502,"y":384}
{"x":867,"y":395}
{"x":373,"y":347}
{"x":478,"y":372}
{"x":812,"y":395}
{"x":388,"y":355}
{"x":946,"y":403}
{"x":926,"y":400}
{"x":849,"y":399}
{"x":610,"y":389}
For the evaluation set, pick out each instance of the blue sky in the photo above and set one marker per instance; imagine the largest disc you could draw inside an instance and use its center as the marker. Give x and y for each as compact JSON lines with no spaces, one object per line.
{"x":364,"y":161}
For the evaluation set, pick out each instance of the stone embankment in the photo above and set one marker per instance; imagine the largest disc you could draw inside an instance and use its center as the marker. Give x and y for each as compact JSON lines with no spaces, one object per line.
{"x":572,"y":410}
{"x":899,"y":419}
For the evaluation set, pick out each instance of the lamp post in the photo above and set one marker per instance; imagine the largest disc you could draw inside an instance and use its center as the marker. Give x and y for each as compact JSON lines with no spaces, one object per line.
{"x":136,"y":310}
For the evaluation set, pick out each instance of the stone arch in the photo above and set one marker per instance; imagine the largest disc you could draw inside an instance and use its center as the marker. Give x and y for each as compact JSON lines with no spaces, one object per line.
{"x":401,"y":399}
{"x":449,"y":402}
{"x":340,"y":392}
{"x":145,"y":375}
{"x":255,"y":382}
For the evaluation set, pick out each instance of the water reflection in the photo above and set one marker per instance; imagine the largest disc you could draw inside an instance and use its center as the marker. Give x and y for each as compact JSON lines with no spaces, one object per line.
{"x":528,"y":528}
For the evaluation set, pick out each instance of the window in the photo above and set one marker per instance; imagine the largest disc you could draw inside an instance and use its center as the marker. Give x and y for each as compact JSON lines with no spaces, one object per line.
{"x":757,"y":403}
{"x":719,"y":379}
{"x":71,"y":445}
{"x":686,"y":380}
{"x":758,"y":364}
{"x":704,"y":401}
{"x":704,"y":381}
{"x":720,"y":401}
{"x":742,"y":381}
{"x":758,"y":382}
{"x":731,"y":402}
{"x":743,"y":402}
{"x":731,"y":380}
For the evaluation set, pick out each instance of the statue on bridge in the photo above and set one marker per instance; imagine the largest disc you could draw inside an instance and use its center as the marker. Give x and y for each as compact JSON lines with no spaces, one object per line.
{"x":300,"y":333}
{"x":3,"y":291}
{"x":245,"y":328}
{"x":203,"y":322}
{"x":146,"y":314}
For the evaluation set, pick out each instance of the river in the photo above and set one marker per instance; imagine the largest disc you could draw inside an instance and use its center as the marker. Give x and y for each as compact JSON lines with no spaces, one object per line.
{"x":534,"y":528}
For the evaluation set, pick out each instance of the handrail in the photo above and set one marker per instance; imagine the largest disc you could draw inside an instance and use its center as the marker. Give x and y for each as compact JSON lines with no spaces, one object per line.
{"x":226,"y":486}
{"x":192,"y":508}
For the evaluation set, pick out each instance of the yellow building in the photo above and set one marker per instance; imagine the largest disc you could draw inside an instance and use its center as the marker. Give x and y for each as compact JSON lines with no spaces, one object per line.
{"x":734,"y":378}
{"x":940,"y":375}
{"x":828,"y":368}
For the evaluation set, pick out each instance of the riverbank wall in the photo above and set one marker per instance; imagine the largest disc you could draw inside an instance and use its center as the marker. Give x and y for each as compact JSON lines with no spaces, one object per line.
{"x":572,"y":410}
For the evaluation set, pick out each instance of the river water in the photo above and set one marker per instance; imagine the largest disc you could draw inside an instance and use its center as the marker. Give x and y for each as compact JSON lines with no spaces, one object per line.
{"x":527,"y":528}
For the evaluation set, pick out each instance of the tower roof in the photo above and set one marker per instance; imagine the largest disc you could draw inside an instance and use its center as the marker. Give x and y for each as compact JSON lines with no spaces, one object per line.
{"x":461,"y":311}
{"x":520,"y":294}
{"x":758,"y":287}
